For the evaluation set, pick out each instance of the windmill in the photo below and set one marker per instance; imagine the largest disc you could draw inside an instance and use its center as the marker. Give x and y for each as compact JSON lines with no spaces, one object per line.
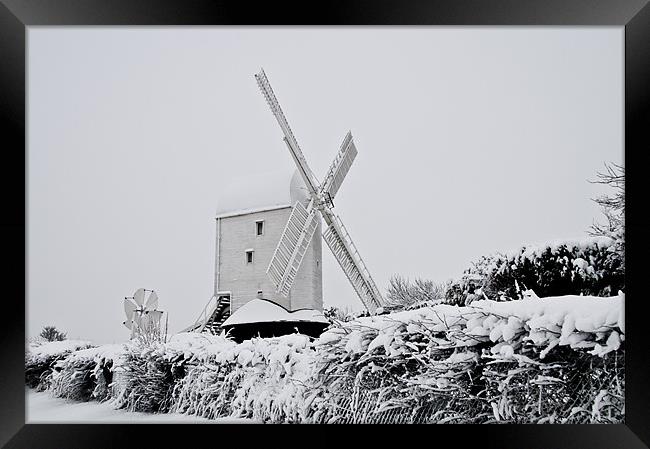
{"x":303,"y":221}
{"x":142,"y":317}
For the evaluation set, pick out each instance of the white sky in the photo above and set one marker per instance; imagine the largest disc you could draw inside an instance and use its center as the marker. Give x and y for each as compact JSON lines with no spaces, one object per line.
{"x":471,"y":140}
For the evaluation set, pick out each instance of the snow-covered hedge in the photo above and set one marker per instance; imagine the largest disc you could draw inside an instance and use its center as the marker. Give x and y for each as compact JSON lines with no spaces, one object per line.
{"x":557,"y":359}
{"x":86,"y":374}
{"x":466,"y":364}
{"x":148,"y":372}
{"x":593,"y":266}
{"x":262,"y":378}
{"x":41,"y":358}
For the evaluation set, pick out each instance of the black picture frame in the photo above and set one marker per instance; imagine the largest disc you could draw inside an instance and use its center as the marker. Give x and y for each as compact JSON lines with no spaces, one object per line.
{"x":16,"y":15}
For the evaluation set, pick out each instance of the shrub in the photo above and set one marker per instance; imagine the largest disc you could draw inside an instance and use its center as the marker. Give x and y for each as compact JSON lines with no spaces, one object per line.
{"x":403,"y":294}
{"x":337,"y":314}
{"x":262,"y":378}
{"x":41,"y":360}
{"x":86,"y":374}
{"x":522,"y":361}
{"x":589,"y":267}
{"x":51,"y":333}
{"x":149,"y":370}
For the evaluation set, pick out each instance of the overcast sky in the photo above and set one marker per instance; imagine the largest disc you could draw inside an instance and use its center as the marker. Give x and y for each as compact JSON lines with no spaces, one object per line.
{"x":470,"y":140}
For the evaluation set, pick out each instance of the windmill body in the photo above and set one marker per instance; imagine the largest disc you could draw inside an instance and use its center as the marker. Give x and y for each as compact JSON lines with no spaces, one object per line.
{"x":246,"y":240}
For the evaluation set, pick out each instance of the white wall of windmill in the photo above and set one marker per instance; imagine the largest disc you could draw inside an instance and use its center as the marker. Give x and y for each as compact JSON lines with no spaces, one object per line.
{"x":237,"y":234}
{"x":244,"y":279}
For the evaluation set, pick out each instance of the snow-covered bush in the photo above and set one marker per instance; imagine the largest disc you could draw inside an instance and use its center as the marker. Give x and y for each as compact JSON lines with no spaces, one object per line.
{"x":402,"y":372}
{"x":613,"y":207}
{"x":567,"y":386}
{"x":333,"y":313}
{"x":262,"y":378}
{"x":592,"y":266}
{"x":149,"y":371}
{"x":439,"y":364}
{"x":86,"y":374}
{"x":41,"y":358}
{"x":403,"y":294}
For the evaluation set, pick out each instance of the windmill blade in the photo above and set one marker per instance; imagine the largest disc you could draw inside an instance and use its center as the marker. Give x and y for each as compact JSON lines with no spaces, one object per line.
{"x":129,"y":308}
{"x":138,"y":296}
{"x":310,"y":180}
{"x":291,"y":249}
{"x":339,"y":241}
{"x":152,"y":302}
{"x":340,"y":166}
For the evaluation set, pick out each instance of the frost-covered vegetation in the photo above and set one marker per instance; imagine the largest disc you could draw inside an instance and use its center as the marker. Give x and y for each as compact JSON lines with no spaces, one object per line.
{"x":592,"y":266}
{"x":402,"y":294}
{"x":534,"y":360}
{"x":51,"y":333}
{"x":86,"y":373}
{"x":486,"y":362}
{"x":41,"y":358}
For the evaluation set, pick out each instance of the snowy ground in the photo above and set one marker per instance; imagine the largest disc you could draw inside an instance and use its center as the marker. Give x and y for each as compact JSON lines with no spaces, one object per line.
{"x":43,"y":408}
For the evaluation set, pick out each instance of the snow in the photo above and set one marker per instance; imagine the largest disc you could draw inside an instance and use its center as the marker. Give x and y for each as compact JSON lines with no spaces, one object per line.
{"x":262,"y":311}
{"x":43,"y":408}
{"x":54,"y":348}
{"x":193,"y":344}
{"x":535,"y":250}
{"x":104,"y":352}
{"x":580,"y":322}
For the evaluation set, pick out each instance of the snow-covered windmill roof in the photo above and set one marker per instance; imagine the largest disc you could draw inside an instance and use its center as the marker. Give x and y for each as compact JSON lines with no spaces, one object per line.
{"x":264,"y":311}
{"x":256,"y":192}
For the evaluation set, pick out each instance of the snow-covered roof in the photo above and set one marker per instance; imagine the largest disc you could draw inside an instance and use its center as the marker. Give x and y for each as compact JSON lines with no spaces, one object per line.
{"x":264,"y":311}
{"x":260,"y":191}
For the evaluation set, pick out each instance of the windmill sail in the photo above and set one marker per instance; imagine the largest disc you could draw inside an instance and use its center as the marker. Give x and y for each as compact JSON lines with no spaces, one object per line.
{"x":340,"y":167}
{"x":303,"y":221}
{"x":152,"y":302}
{"x":138,"y":296}
{"x":346,"y":254}
{"x":293,"y":245}
{"x":129,"y":308}
{"x":292,"y":143}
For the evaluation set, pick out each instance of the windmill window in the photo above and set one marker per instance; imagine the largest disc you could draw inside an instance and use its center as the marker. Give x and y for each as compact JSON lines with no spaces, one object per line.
{"x":259,"y":227}
{"x":249,"y":256}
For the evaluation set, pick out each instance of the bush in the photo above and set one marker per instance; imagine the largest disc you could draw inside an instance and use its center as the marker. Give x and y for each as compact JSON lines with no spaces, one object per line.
{"x":522,"y":361}
{"x":150,"y":370}
{"x":262,"y":379}
{"x":403,"y":294}
{"x":613,"y":207}
{"x":589,"y":267}
{"x":335,"y":314}
{"x":86,"y":374}
{"x":51,"y":333}
{"x":567,"y":386}
{"x":41,"y":360}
